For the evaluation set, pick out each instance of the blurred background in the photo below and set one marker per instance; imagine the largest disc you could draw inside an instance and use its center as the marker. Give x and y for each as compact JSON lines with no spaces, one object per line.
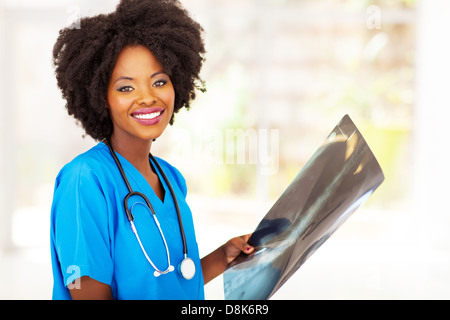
{"x":280,"y":74}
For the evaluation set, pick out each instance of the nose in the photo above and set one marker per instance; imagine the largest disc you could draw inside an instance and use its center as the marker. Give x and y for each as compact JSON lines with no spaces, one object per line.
{"x":146,"y":97}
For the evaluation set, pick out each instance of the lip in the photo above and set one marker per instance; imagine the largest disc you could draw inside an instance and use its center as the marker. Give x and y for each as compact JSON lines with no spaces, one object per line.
{"x":148,"y":111}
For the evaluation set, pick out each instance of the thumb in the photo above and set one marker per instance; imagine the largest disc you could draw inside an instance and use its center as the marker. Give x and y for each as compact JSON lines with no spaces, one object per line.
{"x":237,"y":245}
{"x":245,"y":246}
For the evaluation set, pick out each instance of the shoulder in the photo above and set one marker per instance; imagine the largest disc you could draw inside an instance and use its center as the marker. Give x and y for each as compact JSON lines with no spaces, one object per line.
{"x":173,"y":174}
{"x":86,"y":166}
{"x":83,"y":185}
{"x":82,"y":189}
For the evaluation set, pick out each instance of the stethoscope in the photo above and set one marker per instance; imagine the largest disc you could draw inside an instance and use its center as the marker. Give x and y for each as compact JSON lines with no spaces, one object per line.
{"x":187,"y":266}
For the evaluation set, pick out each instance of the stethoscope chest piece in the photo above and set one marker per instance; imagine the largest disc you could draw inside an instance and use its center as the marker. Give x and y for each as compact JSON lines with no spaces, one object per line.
{"x":187,"y":268}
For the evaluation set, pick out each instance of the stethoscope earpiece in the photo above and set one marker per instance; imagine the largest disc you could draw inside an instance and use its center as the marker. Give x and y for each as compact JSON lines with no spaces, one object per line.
{"x":158,"y":273}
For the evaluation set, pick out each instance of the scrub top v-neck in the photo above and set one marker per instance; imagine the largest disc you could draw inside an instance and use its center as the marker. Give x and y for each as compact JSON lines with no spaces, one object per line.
{"x":91,"y":235}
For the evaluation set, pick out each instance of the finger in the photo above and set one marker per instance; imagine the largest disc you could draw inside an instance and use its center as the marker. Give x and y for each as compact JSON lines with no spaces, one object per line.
{"x":247,"y":237}
{"x":244,"y":246}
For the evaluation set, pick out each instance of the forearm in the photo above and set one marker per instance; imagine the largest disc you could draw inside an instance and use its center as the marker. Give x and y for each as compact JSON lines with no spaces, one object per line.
{"x":217,"y":261}
{"x":214,"y":264}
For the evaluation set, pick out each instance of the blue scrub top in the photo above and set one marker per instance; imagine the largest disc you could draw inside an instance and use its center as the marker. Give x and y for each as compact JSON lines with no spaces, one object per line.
{"x":91,"y":235}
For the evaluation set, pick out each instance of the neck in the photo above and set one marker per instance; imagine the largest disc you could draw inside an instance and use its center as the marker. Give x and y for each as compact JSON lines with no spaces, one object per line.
{"x":134,"y":150}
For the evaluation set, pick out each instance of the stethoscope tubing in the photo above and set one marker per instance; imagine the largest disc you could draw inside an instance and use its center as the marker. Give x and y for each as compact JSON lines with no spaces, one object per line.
{"x":130,"y":216}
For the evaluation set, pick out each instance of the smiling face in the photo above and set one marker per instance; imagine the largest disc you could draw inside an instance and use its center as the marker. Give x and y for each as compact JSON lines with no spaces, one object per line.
{"x":140,"y":96}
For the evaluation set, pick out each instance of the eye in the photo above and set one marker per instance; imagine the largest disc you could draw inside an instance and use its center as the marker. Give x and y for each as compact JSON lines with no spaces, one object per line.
{"x":159,"y":83}
{"x":125,"y":89}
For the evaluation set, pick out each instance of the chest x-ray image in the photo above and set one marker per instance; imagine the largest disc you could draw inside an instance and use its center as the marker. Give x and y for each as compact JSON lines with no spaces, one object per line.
{"x":339,"y":178}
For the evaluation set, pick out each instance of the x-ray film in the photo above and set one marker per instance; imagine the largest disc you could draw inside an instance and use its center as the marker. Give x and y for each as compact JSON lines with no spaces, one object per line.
{"x":339,"y":177}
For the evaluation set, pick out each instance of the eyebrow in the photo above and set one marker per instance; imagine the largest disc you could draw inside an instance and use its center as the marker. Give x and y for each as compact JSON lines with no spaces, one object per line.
{"x":123,"y":78}
{"x":129,"y":78}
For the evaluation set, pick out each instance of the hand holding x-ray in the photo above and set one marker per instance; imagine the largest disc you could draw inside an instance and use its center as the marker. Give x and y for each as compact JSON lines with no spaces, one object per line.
{"x":340,"y":176}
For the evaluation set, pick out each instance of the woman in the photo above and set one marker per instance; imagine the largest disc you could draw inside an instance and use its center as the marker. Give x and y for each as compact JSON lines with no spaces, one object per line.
{"x":124,"y":75}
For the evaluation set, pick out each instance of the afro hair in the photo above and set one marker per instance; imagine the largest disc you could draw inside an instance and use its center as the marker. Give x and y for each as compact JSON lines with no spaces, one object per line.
{"x":84,"y":57}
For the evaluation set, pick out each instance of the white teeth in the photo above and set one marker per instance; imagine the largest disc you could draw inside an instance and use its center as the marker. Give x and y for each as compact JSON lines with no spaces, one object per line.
{"x":147,"y":116}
